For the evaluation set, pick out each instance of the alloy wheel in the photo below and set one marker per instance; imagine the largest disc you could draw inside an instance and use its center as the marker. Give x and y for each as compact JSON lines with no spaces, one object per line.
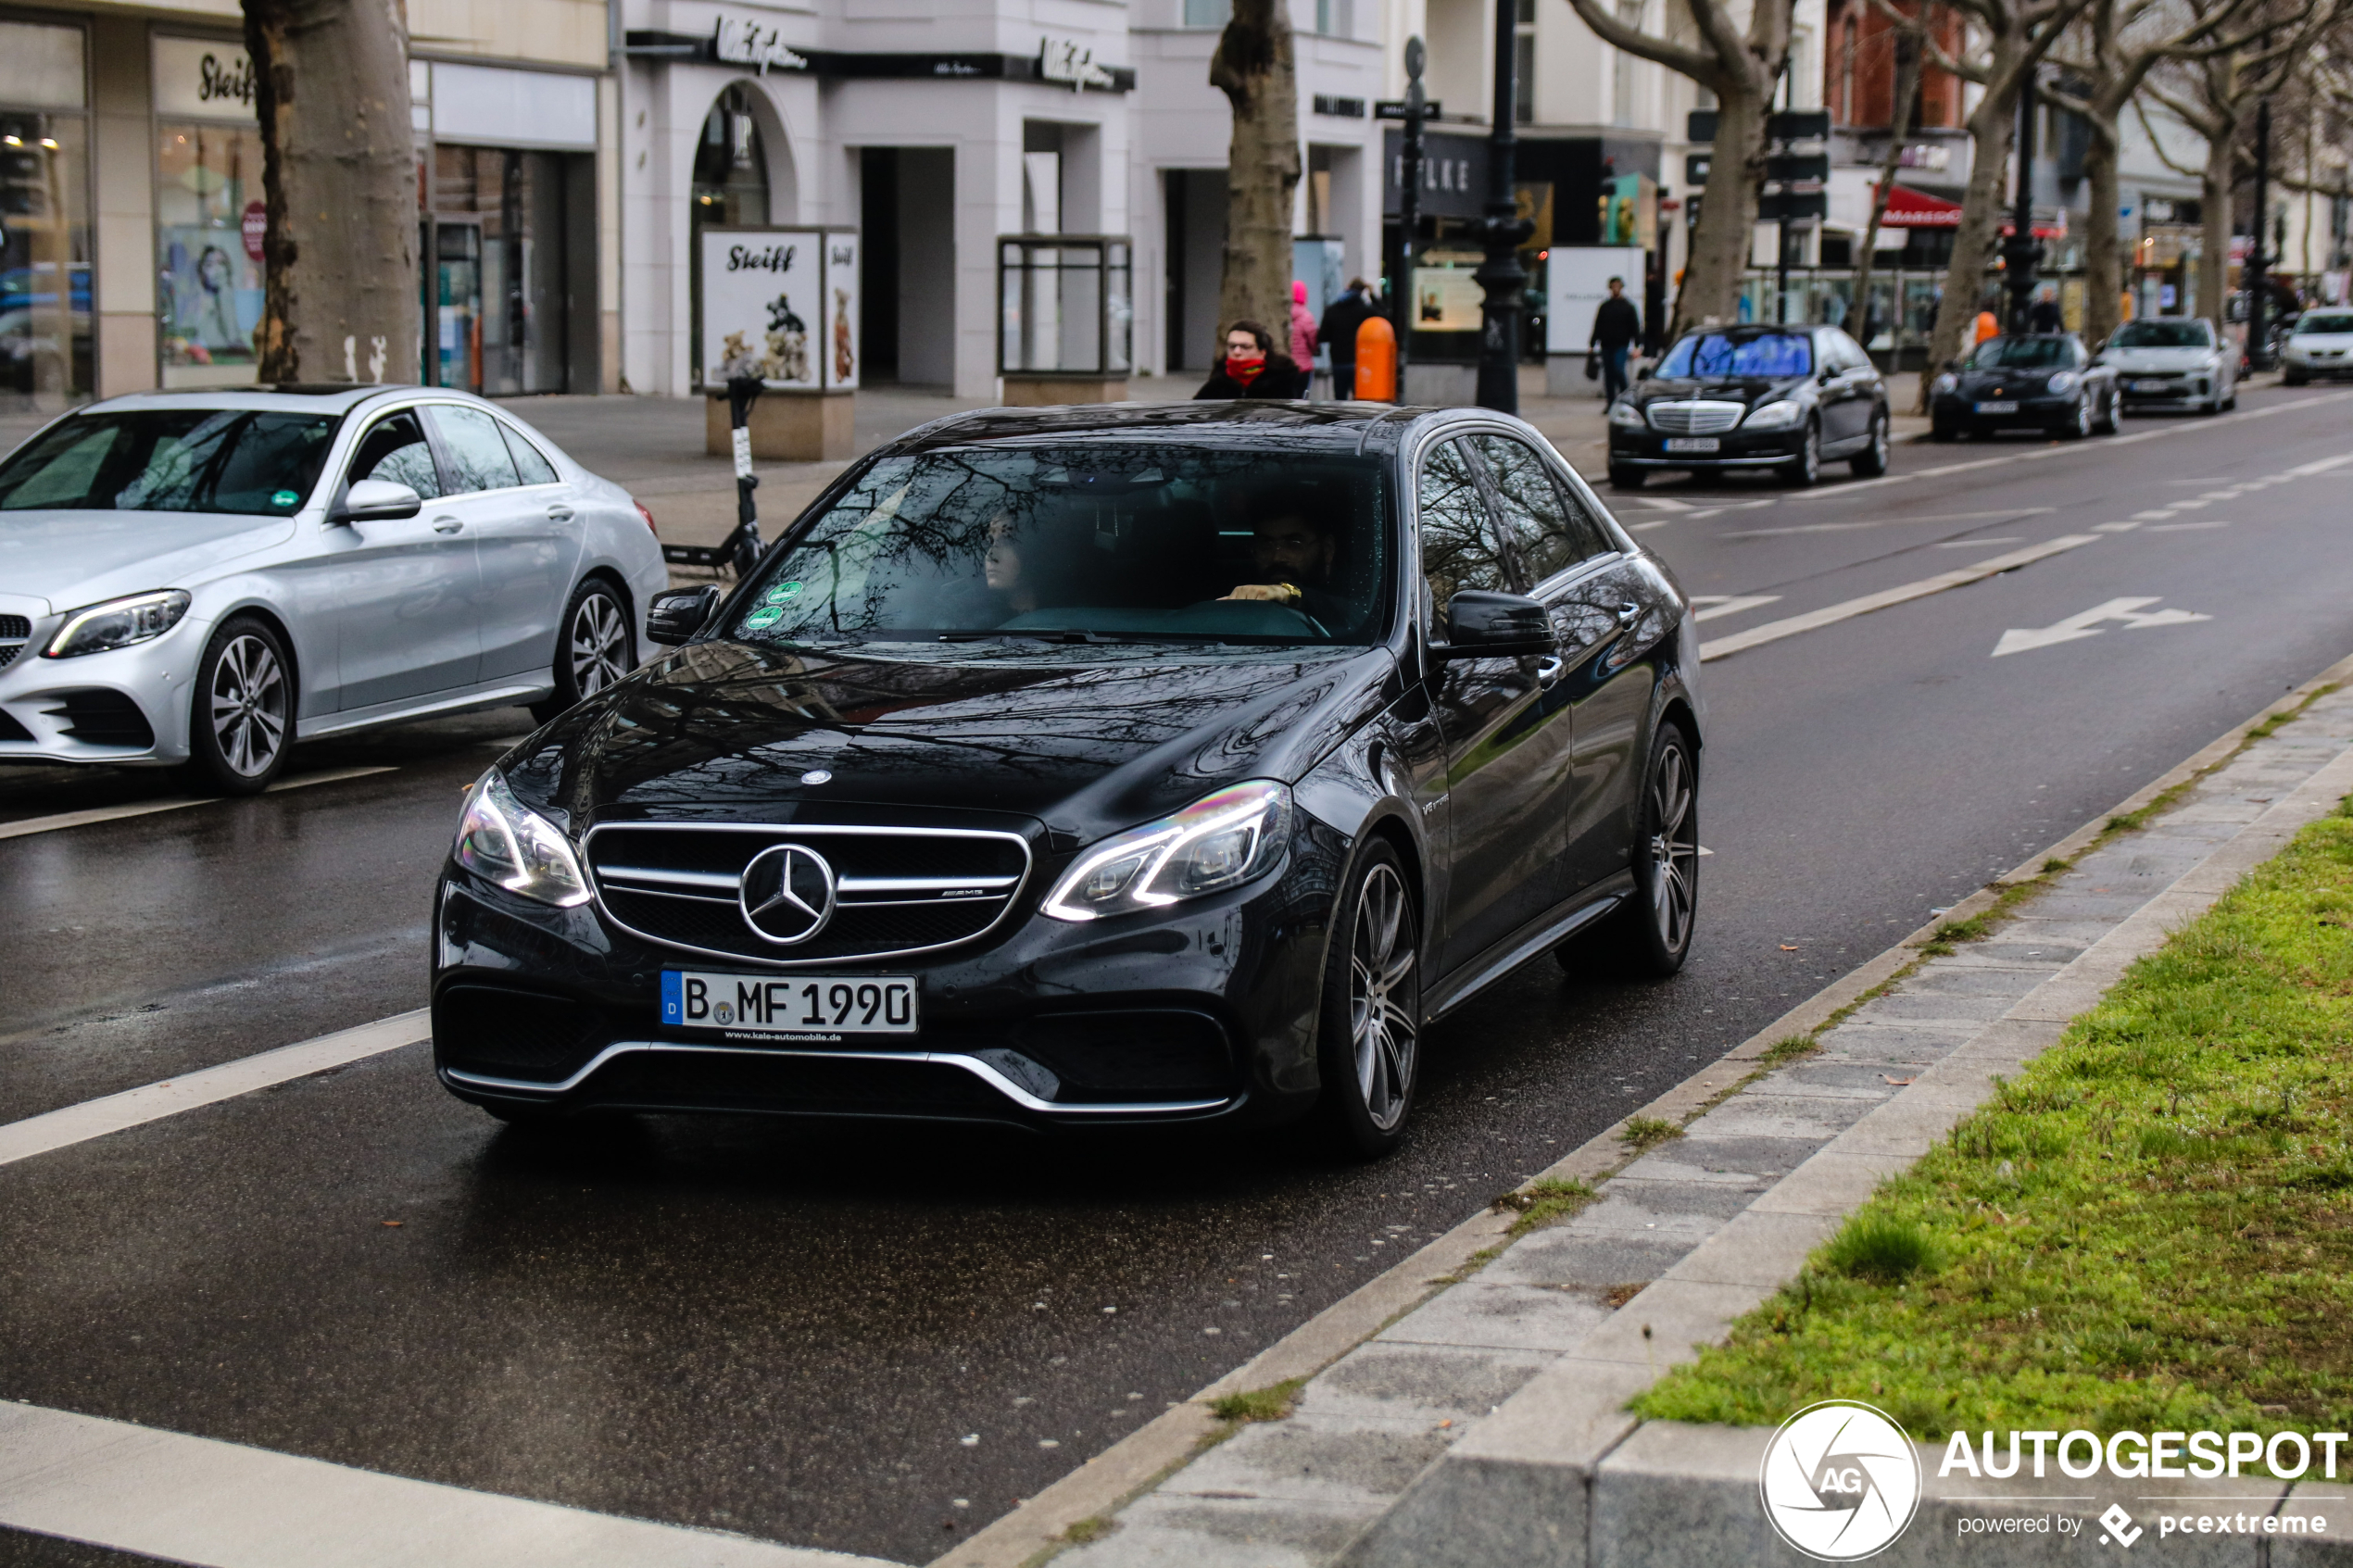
{"x":598,"y":641}
{"x":1809,"y":467}
{"x":1381,"y":997}
{"x":1879,"y":444}
{"x":1674,"y":847}
{"x":248,"y":695}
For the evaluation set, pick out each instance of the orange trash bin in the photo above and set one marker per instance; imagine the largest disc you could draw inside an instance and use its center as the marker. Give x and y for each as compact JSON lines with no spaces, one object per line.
{"x":1376,"y":361}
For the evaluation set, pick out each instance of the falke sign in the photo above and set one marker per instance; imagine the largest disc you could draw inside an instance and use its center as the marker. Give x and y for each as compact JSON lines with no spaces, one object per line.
{"x":202,"y":79}
{"x":741,"y":43}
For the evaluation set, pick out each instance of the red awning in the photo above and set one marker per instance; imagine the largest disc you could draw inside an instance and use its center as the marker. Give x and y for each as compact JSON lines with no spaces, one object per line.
{"x":1907,"y":208}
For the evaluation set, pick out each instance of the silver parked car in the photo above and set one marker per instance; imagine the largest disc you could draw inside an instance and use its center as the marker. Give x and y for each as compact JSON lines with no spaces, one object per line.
{"x":202,"y":579}
{"x":2321,"y":344}
{"x":2174,"y":362}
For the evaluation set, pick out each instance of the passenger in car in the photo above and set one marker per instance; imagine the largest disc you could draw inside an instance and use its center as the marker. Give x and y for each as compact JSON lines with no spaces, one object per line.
{"x":1001,"y":567}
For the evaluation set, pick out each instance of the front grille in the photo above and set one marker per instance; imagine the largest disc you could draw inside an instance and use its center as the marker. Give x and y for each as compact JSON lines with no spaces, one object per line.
{"x":14,"y":631}
{"x":496,"y":1032}
{"x":898,"y":890}
{"x":1130,"y":1055}
{"x":103,"y":718}
{"x":1694,"y":418}
{"x":10,"y":729}
{"x":787,"y":1080}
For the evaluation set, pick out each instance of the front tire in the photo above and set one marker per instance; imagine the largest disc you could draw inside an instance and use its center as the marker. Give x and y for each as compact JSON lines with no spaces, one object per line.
{"x":2078,"y":426}
{"x":2111,"y":418}
{"x":594,"y":647}
{"x":241,"y":721}
{"x":1871,"y":461}
{"x":1650,"y":935}
{"x":1368,"y":1037}
{"x":1806,"y":469}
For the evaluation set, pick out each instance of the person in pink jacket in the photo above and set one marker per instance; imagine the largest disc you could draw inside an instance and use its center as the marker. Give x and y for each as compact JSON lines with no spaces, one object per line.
{"x":1302,"y":326}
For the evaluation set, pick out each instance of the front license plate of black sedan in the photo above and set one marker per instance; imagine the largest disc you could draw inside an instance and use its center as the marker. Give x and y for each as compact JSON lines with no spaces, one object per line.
{"x":1997,"y":407}
{"x":786,"y":1009}
{"x":1693,"y":444}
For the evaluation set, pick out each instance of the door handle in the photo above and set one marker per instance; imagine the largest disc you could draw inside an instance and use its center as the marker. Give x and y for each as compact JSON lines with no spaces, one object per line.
{"x":559,"y":514}
{"x":446,"y":525}
{"x":1549,"y":670}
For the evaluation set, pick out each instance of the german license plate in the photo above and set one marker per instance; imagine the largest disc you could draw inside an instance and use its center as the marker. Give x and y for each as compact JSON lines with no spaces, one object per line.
{"x":1693,"y":444}
{"x":810,"y":1007}
{"x":2004,"y":408}
{"x":2152,"y":386}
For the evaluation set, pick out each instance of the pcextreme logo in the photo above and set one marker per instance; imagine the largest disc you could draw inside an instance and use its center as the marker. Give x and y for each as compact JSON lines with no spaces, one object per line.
{"x":1840,"y":1481}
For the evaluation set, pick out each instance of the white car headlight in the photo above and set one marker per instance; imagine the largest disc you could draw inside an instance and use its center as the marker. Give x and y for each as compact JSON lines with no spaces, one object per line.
{"x":1218,"y":842}
{"x":1625,"y":414}
{"x":1775,"y":416}
{"x":1946,"y":382}
{"x":2062,"y":383}
{"x":500,"y":838}
{"x":118,"y":623}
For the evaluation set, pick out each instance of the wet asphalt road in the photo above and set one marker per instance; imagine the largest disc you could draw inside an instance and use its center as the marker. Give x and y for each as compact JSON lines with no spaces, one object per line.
{"x":791,"y":1332}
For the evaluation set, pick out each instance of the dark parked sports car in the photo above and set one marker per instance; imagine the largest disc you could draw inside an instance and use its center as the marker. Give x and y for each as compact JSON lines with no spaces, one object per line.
{"x":1784,"y":398}
{"x":2040,"y":381}
{"x":1093,"y":766}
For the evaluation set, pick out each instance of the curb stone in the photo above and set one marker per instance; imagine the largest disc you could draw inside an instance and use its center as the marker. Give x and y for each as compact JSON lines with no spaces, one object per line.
{"x":1404,"y":1432}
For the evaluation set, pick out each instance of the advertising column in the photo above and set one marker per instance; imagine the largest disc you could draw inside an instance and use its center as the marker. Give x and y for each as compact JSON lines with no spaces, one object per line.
{"x":209,"y":215}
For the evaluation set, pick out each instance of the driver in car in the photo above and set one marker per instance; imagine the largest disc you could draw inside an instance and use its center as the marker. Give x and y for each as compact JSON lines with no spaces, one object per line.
{"x":1294,"y":547}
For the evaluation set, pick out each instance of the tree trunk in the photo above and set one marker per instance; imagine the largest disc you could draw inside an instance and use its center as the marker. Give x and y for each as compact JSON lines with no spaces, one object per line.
{"x":2103,"y":262}
{"x":339,"y":174}
{"x":1909,"y":67}
{"x":2214,"y":212}
{"x":1252,"y":67}
{"x":1726,"y":231}
{"x":1990,"y":127}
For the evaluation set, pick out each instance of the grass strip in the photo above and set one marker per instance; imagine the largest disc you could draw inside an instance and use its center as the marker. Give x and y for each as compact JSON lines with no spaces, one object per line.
{"x":1544,"y":1202}
{"x":2151,"y":1228}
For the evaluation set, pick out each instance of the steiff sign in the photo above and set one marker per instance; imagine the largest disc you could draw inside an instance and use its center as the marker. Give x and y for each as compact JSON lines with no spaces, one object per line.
{"x":202,"y":79}
{"x":781,"y":304}
{"x":739,"y":42}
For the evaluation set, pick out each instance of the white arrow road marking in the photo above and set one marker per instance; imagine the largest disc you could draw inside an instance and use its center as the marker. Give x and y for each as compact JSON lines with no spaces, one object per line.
{"x":2087,"y":624}
{"x":1829,"y":615}
{"x":1707,"y":606}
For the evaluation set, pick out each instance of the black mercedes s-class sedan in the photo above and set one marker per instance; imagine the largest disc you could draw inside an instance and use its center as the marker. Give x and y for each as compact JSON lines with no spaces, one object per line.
{"x":1093,"y":766}
{"x":1779,"y":398}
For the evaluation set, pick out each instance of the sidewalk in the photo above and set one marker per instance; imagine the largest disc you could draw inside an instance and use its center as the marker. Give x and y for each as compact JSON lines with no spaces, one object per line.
{"x":1476,"y":1415}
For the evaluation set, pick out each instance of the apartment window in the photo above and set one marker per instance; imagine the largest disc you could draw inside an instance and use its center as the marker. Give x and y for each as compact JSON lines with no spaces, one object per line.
{"x":1848,"y":38}
{"x":1622,"y":78}
{"x":1208,"y":13}
{"x":1334,"y":19}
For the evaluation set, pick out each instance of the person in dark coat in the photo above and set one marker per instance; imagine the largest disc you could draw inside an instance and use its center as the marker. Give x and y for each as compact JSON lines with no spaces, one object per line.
{"x":1337,"y":333}
{"x":1251,"y":368}
{"x":1616,"y":326}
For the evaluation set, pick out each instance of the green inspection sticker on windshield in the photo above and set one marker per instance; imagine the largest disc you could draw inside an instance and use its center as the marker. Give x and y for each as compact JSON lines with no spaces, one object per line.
{"x":761,"y":619}
{"x":781,"y":592}
{"x":285,"y":498}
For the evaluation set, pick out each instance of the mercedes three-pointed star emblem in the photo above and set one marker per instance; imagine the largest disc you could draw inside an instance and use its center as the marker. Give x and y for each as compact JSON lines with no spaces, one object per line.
{"x":787,"y":894}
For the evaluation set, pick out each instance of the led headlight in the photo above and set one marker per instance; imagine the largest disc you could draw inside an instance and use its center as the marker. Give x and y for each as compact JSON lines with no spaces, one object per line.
{"x":1775,"y":416}
{"x":2062,"y":383}
{"x":1626,"y":415}
{"x":1218,"y":842}
{"x":500,"y":838}
{"x":1945,"y":383}
{"x":118,"y":623}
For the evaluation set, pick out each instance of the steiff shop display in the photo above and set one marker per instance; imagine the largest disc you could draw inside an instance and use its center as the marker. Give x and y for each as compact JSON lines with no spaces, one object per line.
{"x":781,"y":304}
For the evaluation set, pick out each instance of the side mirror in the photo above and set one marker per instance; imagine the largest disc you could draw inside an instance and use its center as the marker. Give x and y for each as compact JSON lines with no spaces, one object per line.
{"x":1480,"y":624}
{"x":675,"y":615}
{"x":377,"y":500}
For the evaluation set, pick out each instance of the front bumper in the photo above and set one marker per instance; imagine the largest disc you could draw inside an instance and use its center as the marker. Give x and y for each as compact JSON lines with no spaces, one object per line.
{"x":1959,"y":412}
{"x":1204,"y":1012}
{"x":2317,"y":365}
{"x":124,"y":707}
{"x":2150,"y":391}
{"x":1735,"y":448}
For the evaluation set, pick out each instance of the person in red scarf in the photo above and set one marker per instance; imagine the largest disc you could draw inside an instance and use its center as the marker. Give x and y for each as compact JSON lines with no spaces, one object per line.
{"x":1252,"y":369}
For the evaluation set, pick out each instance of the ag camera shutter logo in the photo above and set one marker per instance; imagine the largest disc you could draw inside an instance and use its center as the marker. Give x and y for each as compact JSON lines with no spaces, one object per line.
{"x":1840,"y":1481}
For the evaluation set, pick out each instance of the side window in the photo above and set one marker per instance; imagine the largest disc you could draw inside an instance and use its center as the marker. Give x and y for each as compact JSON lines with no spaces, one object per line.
{"x":529,"y":462}
{"x":396,"y":449}
{"x":478,"y":455}
{"x":1458,"y":546}
{"x":1544,"y":529}
{"x":1850,"y":353}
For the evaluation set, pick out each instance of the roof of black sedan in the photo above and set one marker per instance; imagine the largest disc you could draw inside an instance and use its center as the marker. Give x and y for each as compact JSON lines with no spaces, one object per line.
{"x":1357,"y":427}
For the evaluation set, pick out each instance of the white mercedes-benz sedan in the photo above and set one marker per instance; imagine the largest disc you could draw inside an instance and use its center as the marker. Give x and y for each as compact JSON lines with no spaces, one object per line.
{"x":202,"y":579}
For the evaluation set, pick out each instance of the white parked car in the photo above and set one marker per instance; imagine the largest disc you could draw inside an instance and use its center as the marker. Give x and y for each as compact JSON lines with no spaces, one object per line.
{"x":2174,"y":362}
{"x":202,"y":579}
{"x":2321,"y":344}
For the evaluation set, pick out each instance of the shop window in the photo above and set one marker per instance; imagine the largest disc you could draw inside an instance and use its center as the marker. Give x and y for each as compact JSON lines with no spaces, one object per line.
{"x":731,"y":166}
{"x":503,"y":240}
{"x":46,"y":359}
{"x":209,"y":283}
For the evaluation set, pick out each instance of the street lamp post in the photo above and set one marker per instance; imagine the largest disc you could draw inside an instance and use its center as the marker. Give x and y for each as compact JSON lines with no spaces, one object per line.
{"x":1409,"y":205}
{"x":2258,"y":352}
{"x":1502,"y":229}
{"x":2021,"y":252}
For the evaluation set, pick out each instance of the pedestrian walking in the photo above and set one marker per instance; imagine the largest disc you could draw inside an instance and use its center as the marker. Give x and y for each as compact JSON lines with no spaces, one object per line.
{"x":1616,"y":323}
{"x":1336,"y":331}
{"x":1303,"y":328}
{"x":2043,"y":316}
{"x":1250,"y":367}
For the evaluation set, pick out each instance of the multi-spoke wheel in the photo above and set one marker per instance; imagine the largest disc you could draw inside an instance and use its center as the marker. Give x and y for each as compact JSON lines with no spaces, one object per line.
{"x":1651,"y":931}
{"x":1806,"y":467}
{"x":241,"y":721}
{"x":1369,"y":1044}
{"x":594,"y":647}
{"x":1871,"y":461}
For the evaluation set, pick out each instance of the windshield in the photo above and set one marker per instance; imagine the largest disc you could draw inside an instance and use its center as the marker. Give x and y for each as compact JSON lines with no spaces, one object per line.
{"x":2023,"y":352}
{"x":1070,"y":543}
{"x":1755,"y":353}
{"x":2325,"y":321}
{"x":2162,"y":334}
{"x":170,"y":460}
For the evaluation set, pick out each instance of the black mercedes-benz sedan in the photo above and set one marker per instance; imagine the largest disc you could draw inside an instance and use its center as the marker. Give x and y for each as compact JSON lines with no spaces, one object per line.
{"x":1093,"y":765}
{"x":2037,"y":380}
{"x":1783,"y":398}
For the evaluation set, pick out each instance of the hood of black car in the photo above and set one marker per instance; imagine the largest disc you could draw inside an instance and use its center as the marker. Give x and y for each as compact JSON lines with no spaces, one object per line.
{"x":1748,"y":391}
{"x":2004,"y":379}
{"x":1086,"y":741}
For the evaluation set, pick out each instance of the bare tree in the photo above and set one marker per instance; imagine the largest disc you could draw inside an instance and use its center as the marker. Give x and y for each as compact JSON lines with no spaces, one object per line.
{"x":1252,"y":66}
{"x":1741,"y":66}
{"x":1906,"y":39}
{"x":339,"y":178}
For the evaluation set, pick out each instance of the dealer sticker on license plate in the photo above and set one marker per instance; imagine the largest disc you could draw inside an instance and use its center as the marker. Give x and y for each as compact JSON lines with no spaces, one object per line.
{"x":1693,"y":444}
{"x":1997,"y":407}
{"x":788,"y":1007}
{"x":2152,"y":386}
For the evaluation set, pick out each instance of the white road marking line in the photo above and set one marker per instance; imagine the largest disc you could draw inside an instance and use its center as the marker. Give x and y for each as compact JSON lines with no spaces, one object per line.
{"x":2150,"y":517}
{"x":1883,"y":521}
{"x":196,"y":1499}
{"x":1646,"y":527}
{"x":2132,"y":612}
{"x":1981,"y":543}
{"x":1712,"y":606}
{"x":1660,"y":503}
{"x":174,"y":803}
{"x":2322,"y":465}
{"x":2114,"y":527}
{"x":2186,"y":527}
{"x":1774,"y":630}
{"x":113,"y":1113}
